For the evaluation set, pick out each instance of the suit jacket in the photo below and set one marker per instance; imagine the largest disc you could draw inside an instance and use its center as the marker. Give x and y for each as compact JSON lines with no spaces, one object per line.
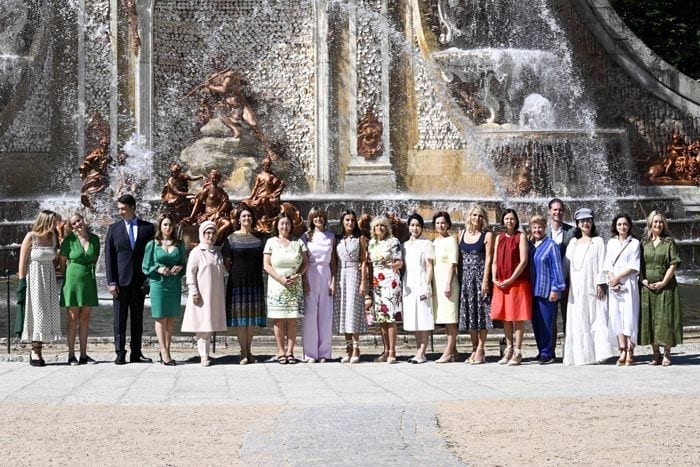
{"x":566,"y":238}
{"x":123,"y":265}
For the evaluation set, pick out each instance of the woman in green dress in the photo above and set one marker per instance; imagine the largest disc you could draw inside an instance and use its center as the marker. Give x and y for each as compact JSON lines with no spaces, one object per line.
{"x":79,"y":250}
{"x":164,"y":264}
{"x":661,"y":322}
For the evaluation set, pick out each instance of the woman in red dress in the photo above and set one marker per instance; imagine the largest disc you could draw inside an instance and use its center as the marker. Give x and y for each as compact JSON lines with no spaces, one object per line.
{"x":512,"y":300}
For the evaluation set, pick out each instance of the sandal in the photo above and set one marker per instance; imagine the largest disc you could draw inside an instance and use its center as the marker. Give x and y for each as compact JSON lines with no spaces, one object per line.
{"x":282,"y":360}
{"x":479,"y":358}
{"x":655,"y":359}
{"x":623,"y":356}
{"x":292,"y":360}
{"x":629,"y":361}
{"x":516,"y":359}
{"x":667,"y":359}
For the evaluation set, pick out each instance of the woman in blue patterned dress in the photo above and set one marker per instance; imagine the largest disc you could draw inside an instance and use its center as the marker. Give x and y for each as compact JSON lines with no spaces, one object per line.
{"x":245,"y":289}
{"x":476,"y":246}
{"x":385,"y":254}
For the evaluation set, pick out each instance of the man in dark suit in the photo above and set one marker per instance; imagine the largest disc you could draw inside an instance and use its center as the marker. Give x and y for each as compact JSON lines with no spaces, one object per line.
{"x":561,"y":233}
{"x":124,"y":249}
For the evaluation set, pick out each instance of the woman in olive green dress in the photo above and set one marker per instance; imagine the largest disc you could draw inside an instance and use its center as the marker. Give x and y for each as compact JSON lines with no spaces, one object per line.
{"x":80,"y":250}
{"x":164,"y":264}
{"x":661,"y":321}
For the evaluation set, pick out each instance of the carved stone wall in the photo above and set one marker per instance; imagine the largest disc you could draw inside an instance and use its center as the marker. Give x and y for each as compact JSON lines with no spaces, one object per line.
{"x":30,"y":131}
{"x":270,"y":43}
{"x":436,"y":129}
{"x":98,"y":58}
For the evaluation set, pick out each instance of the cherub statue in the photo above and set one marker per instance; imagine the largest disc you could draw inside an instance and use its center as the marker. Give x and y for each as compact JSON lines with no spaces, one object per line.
{"x":175,"y":194}
{"x":212,"y":204}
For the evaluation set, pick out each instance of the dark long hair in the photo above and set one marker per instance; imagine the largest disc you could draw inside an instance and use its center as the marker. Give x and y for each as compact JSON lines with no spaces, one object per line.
{"x":356,"y":232}
{"x":159,"y":233}
{"x":515,"y":214}
{"x":579,"y":234}
{"x":280,"y":216}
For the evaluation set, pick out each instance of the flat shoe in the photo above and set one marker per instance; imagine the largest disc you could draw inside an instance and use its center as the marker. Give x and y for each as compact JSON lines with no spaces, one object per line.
{"x":72,"y":361}
{"x":282,"y":360}
{"x":419,"y":361}
{"x":292,"y":360}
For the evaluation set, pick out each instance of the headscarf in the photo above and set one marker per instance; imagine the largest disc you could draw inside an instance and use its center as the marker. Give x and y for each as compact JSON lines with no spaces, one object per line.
{"x":202,"y":228}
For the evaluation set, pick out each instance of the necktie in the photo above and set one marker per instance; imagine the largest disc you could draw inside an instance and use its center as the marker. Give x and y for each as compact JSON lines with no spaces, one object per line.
{"x":132,"y":238}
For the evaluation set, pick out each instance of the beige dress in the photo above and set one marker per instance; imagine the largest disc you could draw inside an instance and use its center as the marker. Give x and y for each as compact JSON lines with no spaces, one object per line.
{"x":445,"y":310}
{"x":205,"y":273}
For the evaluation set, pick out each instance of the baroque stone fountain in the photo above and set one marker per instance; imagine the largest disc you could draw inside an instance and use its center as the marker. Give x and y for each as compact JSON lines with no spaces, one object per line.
{"x":375,"y":105}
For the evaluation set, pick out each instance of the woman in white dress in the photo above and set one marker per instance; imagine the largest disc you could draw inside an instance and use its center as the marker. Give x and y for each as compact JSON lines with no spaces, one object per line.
{"x":588,"y":338}
{"x":622,"y":263}
{"x":417,"y":291}
{"x":38,"y":290}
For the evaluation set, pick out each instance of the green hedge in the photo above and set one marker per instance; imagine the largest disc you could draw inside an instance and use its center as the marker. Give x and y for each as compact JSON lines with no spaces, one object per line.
{"x":670,"y":28}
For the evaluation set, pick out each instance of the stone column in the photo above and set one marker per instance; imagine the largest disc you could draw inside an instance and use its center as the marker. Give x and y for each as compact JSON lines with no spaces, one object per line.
{"x":322,"y":150}
{"x":372,"y":65}
{"x":144,"y":74}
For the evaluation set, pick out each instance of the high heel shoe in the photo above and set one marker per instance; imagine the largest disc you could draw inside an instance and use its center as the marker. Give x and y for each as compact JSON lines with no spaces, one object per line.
{"x":507,"y":355}
{"x":479,"y":358}
{"x":446,"y":359}
{"x":348,"y":351}
{"x":516,"y":359}
{"x":355,"y":350}
{"x":629,"y":359}
{"x":391,"y":358}
{"x":170,"y":362}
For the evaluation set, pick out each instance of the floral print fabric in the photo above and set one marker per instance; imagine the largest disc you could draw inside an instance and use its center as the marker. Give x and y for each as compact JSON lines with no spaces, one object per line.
{"x":386,"y":284}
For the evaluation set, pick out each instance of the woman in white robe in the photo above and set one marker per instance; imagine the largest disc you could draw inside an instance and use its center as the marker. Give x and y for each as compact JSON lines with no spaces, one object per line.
{"x":588,"y":338}
{"x":621,"y":267}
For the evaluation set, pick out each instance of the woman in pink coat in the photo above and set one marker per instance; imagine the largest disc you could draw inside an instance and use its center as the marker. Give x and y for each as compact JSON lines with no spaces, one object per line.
{"x":205,"y":312}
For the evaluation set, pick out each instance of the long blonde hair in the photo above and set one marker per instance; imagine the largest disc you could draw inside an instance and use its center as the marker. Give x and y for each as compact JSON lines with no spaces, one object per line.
{"x":650,"y":219}
{"x":46,"y":222}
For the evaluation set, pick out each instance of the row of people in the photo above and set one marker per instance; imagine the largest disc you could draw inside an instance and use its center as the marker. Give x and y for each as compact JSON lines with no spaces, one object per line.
{"x":325,"y":279}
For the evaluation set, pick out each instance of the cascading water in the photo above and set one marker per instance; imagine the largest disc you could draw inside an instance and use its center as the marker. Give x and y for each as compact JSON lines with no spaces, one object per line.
{"x":514,"y":60}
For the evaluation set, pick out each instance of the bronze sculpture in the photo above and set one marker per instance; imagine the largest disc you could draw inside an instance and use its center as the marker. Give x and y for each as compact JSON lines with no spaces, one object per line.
{"x":224,"y":96}
{"x":265,"y":199}
{"x":177,"y":200}
{"x":94,"y":170}
{"x":212,"y":204}
{"x":679,"y":165}
{"x":369,"y":136}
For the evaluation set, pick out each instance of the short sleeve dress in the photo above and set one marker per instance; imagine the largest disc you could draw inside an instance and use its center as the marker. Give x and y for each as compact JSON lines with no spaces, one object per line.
{"x":445,"y":309}
{"x":245,"y":288}
{"x":79,"y":285}
{"x":283,"y":302}
{"x":661,"y":320}
{"x":165,"y":291}
{"x":348,"y":312}
{"x":386,"y":284}
{"x":417,"y":292}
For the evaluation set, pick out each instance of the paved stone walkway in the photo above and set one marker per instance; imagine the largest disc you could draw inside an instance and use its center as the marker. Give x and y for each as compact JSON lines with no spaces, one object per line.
{"x":329,"y":413}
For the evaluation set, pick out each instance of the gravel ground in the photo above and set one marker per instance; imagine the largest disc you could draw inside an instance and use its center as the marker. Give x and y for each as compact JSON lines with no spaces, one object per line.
{"x":648,"y":430}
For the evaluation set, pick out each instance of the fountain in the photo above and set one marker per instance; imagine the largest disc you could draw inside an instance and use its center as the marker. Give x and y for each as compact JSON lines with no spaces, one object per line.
{"x":374,"y":105}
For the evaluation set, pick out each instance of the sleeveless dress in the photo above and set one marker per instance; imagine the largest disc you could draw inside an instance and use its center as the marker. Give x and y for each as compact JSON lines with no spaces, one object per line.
{"x":79,"y":284}
{"x":165,"y":291}
{"x":515,"y":302}
{"x":348,"y":314}
{"x":42,"y":320}
{"x":445,"y":309}
{"x":245,"y":289}
{"x":475,"y":308}
{"x":417,"y":312}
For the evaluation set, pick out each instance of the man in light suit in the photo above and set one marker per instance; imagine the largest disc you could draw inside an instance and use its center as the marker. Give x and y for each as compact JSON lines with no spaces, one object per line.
{"x":561,"y":233}
{"x":124,"y":249}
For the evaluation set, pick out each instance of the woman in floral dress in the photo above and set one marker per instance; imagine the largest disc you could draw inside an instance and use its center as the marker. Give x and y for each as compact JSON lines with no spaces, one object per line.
{"x":385,"y":254}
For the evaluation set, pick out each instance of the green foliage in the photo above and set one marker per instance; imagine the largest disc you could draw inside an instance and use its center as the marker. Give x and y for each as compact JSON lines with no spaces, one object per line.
{"x":671,"y":28}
